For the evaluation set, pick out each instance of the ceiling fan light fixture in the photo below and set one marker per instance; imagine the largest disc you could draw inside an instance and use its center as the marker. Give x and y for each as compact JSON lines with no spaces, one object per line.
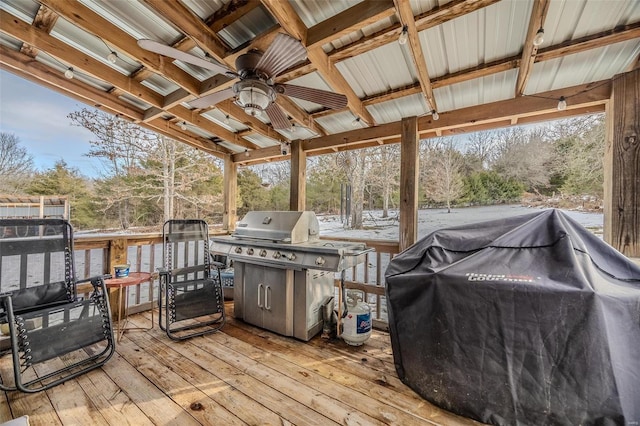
{"x":435,"y":115}
{"x":253,"y":96}
{"x":69,"y":73}
{"x":112,"y":57}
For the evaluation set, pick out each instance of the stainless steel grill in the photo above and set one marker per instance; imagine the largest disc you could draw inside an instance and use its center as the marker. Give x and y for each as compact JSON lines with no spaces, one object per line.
{"x":283,"y":270}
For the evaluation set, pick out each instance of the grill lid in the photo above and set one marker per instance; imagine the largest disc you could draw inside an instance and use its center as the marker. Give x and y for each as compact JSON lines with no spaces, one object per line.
{"x":279,"y":226}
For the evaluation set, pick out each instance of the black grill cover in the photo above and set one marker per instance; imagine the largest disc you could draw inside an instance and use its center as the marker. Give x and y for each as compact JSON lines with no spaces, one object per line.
{"x":527,"y":320}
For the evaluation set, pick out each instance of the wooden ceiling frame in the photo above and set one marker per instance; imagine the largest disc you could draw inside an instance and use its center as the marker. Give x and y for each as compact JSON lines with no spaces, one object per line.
{"x":529,"y":49}
{"x":584,"y":99}
{"x":593,"y":41}
{"x":291,"y":23}
{"x":32,"y":70}
{"x":409,"y":24}
{"x":341,"y":24}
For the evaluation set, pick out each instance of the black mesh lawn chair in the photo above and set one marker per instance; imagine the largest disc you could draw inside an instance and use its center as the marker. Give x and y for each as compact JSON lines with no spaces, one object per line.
{"x":191,"y":301}
{"x":40,"y":309}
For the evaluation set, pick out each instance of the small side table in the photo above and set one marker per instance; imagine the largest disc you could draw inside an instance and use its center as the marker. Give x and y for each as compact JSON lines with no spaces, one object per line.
{"x":124,"y":283}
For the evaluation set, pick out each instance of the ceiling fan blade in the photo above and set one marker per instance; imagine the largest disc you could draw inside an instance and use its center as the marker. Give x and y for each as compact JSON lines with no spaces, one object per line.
{"x":163,"y":49}
{"x":323,"y":97}
{"x":283,"y":53}
{"x":277,"y":116}
{"x":212,"y":99}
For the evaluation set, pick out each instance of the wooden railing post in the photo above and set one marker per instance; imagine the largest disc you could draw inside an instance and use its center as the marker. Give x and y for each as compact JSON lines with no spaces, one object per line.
{"x":117,"y":256}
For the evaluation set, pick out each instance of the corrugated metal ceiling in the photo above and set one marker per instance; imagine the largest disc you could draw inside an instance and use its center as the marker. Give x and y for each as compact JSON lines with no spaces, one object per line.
{"x":496,"y":32}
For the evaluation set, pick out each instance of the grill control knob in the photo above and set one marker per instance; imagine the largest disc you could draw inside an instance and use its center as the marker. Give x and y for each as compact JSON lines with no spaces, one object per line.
{"x":263,"y":253}
{"x":276,"y":255}
{"x":238,"y":250}
{"x":291,"y":256}
{"x":320,"y":260}
{"x":249,"y":251}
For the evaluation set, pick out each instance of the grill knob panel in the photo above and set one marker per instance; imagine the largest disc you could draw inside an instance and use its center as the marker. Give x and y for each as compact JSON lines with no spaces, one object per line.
{"x":263,"y":253}
{"x":320,"y":260}
{"x":249,"y":251}
{"x":238,"y":250}
{"x":277,"y":255}
{"x":291,"y":256}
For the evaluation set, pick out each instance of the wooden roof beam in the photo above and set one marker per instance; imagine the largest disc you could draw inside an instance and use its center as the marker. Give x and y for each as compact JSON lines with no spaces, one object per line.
{"x":88,"y":20}
{"x":593,"y":95}
{"x":29,"y":69}
{"x":617,"y":35}
{"x":291,"y":22}
{"x":348,"y":21}
{"x":45,"y":20}
{"x":67,"y":54}
{"x":428,"y":19}
{"x":593,"y":41}
{"x":190,"y":25}
{"x":408,"y":20}
{"x":529,"y":50}
{"x":43,"y":41}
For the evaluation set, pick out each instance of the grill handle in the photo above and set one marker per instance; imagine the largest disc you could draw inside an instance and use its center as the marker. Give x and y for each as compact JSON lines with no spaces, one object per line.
{"x":260,"y":289}
{"x":267,"y":301}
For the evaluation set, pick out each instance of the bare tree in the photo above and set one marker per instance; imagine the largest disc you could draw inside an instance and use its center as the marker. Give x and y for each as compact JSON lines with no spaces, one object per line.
{"x":15,"y":164}
{"x":442,"y":171}
{"x":384,"y":172}
{"x":119,"y":145}
{"x":353,"y":163}
{"x":525,"y":156}
{"x":484,"y":146}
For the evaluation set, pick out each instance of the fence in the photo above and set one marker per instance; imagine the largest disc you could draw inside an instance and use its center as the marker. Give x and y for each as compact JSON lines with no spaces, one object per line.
{"x":96,"y":255}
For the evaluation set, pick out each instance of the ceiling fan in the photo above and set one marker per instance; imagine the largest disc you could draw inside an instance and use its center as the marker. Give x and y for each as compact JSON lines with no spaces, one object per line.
{"x":256,"y":90}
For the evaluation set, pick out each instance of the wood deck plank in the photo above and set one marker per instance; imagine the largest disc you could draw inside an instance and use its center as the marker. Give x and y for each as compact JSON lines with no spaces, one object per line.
{"x":37,"y":406}
{"x":69,"y":400}
{"x":241,"y":375}
{"x":335,"y":370}
{"x":173,"y":385}
{"x":244,"y":407}
{"x":158,"y":407}
{"x":286,"y":407}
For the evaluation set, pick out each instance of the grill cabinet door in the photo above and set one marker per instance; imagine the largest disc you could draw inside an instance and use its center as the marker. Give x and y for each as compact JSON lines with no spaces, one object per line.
{"x":278,"y":301}
{"x":268,"y":298}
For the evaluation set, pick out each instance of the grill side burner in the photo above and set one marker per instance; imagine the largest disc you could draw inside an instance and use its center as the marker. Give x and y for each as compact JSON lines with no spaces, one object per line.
{"x":283,"y":270}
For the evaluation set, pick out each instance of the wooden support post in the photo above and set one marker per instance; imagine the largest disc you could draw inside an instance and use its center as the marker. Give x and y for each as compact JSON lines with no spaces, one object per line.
{"x":408,"y":220}
{"x":298,"y":190}
{"x":229,"y":217}
{"x":622,"y":166}
{"x":117,"y":256}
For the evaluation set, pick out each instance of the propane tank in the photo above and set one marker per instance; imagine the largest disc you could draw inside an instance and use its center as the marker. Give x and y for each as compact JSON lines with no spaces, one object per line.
{"x":357,"y":321}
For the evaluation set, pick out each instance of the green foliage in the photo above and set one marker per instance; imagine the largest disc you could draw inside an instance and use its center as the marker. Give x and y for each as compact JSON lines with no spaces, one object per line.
{"x":253,"y":196}
{"x":323,"y":186}
{"x":487,"y":187}
{"x":63,"y":180}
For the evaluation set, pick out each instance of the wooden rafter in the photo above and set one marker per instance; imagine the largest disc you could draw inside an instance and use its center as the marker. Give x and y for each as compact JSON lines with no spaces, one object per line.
{"x":348,"y":21}
{"x":617,"y":35}
{"x":428,"y":19}
{"x":291,"y":22}
{"x":585,"y":99}
{"x":43,"y":41}
{"x":529,"y":50}
{"x":30,"y":69}
{"x":408,"y":21}
{"x":45,"y":20}
{"x":188,"y":23}
{"x":93,"y":23}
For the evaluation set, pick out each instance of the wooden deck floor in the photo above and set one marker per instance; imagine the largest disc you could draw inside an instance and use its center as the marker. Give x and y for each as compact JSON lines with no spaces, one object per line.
{"x":241,"y":375}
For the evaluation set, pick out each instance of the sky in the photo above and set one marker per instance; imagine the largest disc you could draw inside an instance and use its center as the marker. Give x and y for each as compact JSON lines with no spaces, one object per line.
{"x":38,"y":117}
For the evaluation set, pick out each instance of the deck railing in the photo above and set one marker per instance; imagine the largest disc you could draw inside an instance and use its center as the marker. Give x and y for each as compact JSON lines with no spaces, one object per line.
{"x":99,"y":254}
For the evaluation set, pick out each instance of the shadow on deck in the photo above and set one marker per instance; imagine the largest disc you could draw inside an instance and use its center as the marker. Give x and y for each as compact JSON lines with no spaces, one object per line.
{"x":241,"y":375}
